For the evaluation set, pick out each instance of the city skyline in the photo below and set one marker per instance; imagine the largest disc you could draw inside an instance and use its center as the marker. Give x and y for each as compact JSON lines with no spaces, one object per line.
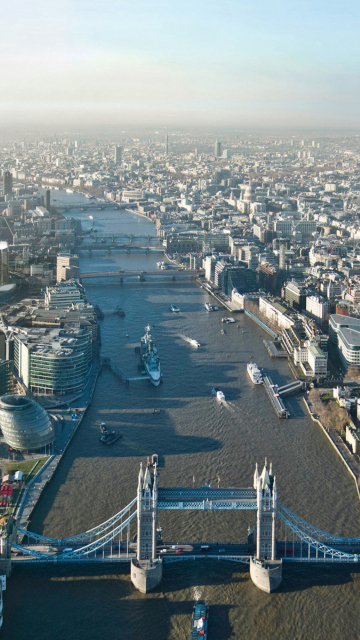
{"x":181,"y":65}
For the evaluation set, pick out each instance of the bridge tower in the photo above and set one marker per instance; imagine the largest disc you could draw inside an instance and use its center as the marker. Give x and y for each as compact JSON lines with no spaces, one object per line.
{"x":146,"y":569}
{"x":265,"y":569}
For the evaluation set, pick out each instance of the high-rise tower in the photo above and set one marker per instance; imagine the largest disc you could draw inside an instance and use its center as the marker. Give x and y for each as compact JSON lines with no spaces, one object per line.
{"x":7,"y":183}
{"x":217,"y":149}
{"x":4,"y":264}
{"x":117,"y":154}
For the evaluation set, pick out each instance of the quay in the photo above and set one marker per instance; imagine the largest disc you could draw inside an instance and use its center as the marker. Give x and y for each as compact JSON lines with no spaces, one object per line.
{"x":223,"y":300}
{"x":262,"y":324}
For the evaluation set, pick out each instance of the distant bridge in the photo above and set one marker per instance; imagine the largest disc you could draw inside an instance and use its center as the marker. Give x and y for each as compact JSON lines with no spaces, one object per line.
{"x":102,"y":238}
{"x":156,"y":272}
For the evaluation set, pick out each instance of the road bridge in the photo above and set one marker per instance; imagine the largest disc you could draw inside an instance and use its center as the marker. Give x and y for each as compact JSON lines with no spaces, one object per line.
{"x":123,"y":273}
{"x":98,"y":238}
{"x":279,"y":534}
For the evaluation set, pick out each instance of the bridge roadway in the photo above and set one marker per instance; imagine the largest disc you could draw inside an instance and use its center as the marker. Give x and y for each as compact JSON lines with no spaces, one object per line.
{"x":172,"y":551}
{"x":155,"y":272}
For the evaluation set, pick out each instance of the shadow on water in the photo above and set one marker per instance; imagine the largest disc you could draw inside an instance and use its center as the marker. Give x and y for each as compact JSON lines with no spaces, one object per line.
{"x":300,"y":577}
{"x":114,"y":609}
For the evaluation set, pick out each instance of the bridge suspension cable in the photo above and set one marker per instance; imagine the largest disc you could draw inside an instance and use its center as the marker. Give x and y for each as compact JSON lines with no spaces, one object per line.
{"x":335,"y":554}
{"x":82,"y":551}
{"x":311,"y":530}
{"x":81,"y":537}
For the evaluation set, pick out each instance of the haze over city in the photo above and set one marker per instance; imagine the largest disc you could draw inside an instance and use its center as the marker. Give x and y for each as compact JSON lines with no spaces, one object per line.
{"x":179,"y":320}
{"x":180,"y":64}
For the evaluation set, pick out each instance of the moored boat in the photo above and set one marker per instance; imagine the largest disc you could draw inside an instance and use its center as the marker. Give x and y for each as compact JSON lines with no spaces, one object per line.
{"x":150,"y":357}
{"x":254,"y":373}
{"x":210,"y":307}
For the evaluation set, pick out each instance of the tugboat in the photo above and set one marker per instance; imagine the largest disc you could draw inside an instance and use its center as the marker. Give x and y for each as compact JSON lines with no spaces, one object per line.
{"x":108,"y":437}
{"x":199,"y":621}
{"x":119,"y":311}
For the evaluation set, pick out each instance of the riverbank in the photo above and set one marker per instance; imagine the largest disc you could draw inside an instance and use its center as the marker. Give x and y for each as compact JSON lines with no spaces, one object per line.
{"x":341,"y":449}
{"x":41,"y":479}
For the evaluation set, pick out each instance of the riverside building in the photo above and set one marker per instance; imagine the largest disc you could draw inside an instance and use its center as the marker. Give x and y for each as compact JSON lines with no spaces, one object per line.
{"x":64,"y":294}
{"x":54,"y":362}
{"x":67,"y":266}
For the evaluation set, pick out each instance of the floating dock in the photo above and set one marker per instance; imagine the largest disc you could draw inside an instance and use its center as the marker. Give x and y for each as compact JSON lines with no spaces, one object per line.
{"x":275,"y":399}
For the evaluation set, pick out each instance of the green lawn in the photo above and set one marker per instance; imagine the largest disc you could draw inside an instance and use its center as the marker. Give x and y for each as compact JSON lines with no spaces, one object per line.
{"x":26,"y":467}
{"x":327,"y":396}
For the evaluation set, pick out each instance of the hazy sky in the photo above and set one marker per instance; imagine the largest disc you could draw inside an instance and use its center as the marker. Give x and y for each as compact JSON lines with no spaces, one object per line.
{"x":226,"y":62}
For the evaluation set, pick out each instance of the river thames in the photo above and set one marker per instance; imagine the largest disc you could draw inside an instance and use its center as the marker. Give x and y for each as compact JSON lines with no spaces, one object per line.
{"x":194,"y":436}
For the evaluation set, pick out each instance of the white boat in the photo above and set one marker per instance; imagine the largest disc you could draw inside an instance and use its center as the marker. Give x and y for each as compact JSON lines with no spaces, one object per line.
{"x":195,"y":343}
{"x":69,"y":190}
{"x":174,"y":308}
{"x":218,"y":393}
{"x":228,"y":320}
{"x":210,"y":307}
{"x":254,"y":373}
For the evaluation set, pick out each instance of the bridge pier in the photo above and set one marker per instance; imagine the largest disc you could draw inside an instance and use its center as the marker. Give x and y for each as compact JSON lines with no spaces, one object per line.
{"x":147,"y":568}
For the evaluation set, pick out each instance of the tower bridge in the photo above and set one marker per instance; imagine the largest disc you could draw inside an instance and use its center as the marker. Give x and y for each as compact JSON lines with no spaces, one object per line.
{"x":279,"y":534}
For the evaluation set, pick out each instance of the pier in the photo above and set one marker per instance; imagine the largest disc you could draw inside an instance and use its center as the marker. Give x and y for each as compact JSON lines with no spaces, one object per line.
{"x":277,"y":403}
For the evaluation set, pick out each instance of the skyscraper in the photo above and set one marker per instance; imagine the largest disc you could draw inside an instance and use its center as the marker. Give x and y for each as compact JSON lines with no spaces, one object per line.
{"x":117,"y":154}
{"x":7,"y":184}
{"x":217,"y":149}
{"x":47,"y":200}
{"x":4,"y":263}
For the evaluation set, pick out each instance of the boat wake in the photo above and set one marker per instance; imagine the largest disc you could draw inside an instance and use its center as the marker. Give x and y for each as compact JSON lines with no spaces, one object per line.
{"x":191,"y":341}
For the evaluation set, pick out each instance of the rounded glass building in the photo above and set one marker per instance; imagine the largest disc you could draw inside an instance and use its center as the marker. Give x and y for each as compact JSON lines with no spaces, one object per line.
{"x":24,"y":423}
